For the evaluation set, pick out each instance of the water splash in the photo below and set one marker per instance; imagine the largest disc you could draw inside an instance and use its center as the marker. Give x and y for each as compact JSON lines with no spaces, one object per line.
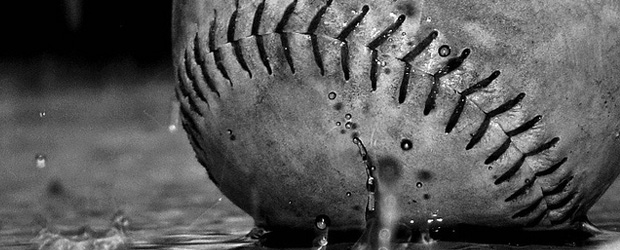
{"x":321,"y":229}
{"x":86,"y":238}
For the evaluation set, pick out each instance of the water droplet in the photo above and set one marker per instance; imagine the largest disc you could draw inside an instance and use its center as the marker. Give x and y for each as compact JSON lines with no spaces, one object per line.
{"x":173,"y":123}
{"x":348,"y":125}
{"x":444,"y":50}
{"x":348,"y":116}
{"x":348,"y":194}
{"x":40,"y":160}
{"x":338,"y":123}
{"x":322,"y":222}
{"x":232,"y":137}
{"x":331,"y":95}
{"x":419,"y":184}
{"x":406,"y":144}
{"x":42,"y":114}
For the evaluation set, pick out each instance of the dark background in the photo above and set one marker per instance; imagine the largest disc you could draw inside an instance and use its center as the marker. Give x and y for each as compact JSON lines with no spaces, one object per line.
{"x":59,"y":44}
{"x":92,"y":30}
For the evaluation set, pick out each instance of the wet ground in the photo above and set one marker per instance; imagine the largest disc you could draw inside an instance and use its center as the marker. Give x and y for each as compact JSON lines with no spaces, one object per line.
{"x":76,"y":153}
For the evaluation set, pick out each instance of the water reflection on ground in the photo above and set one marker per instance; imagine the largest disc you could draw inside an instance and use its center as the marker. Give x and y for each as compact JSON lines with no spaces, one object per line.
{"x":71,"y":159}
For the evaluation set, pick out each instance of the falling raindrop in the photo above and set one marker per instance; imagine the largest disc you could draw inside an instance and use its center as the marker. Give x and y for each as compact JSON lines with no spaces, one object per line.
{"x":444,"y":50}
{"x":322,"y":222}
{"x":173,"y":124}
{"x":348,"y":116}
{"x":419,"y":184}
{"x":406,"y":144}
{"x":331,"y":95}
{"x":40,"y":160}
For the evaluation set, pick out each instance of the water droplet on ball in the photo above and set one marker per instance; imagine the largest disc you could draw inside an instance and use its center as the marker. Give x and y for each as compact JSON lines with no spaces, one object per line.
{"x":322,"y":222}
{"x":444,"y":50}
{"x":406,"y":144}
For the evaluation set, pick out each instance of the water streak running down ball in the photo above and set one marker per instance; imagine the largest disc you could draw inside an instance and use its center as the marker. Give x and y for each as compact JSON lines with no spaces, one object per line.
{"x":472,"y":114}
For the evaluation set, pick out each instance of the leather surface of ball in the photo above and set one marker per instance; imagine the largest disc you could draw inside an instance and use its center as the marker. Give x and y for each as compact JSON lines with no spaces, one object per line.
{"x":487,"y":113}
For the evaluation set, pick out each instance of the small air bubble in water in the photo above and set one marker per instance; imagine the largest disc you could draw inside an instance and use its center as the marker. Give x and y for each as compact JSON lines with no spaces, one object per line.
{"x":348,"y":194}
{"x":40,"y":160}
{"x":331,"y":95}
{"x":419,"y":184}
{"x":348,"y":116}
{"x":338,"y":123}
{"x":42,"y":114}
{"x":348,"y":125}
{"x":322,"y":222}
{"x":173,"y":124}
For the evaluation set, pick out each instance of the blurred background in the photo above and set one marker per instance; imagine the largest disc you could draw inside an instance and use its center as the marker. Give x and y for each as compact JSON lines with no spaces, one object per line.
{"x":86,"y":109}
{"x":86,"y":38}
